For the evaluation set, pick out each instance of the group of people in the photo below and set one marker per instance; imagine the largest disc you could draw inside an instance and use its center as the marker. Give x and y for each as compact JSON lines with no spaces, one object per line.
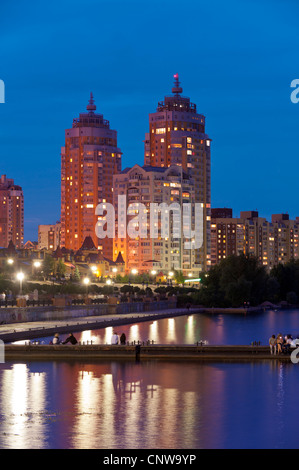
{"x":282,"y":344}
{"x":70,"y":339}
{"x":115,"y":339}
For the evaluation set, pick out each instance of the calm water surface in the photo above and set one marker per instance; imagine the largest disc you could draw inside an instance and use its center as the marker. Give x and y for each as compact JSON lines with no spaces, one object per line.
{"x":148,"y":405}
{"x":157,"y":404}
{"x":216,"y":329}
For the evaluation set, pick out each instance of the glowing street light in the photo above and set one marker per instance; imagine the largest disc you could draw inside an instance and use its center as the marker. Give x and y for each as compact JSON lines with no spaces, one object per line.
{"x":86,"y":282}
{"x":114,"y":270}
{"x":170,"y":273}
{"x":37,"y":264}
{"x":93,"y":268}
{"x":108,"y":282}
{"x":10,"y":261}
{"x":20,"y":277}
{"x":134,"y":271}
{"x":153,"y":272}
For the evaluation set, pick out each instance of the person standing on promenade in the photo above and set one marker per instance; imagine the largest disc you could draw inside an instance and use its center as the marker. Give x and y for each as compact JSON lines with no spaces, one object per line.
{"x":123,"y":339}
{"x":272,"y":343}
{"x":114,"y":338}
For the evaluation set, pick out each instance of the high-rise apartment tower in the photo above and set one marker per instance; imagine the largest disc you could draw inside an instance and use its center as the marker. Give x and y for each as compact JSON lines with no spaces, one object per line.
{"x":177,"y":137}
{"x":89,"y":160}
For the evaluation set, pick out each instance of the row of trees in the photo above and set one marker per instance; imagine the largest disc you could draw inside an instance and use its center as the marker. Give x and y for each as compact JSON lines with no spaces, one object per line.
{"x":240,"y":279}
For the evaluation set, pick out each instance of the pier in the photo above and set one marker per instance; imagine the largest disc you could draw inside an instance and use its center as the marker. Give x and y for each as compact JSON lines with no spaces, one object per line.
{"x":143,"y":351}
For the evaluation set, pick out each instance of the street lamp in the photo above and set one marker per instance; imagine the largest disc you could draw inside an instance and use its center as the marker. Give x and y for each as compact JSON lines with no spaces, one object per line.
{"x":108,"y":282}
{"x":10,"y":261}
{"x":20,"y":277}
{"x":134,"y":271}
{"x":86,"y":282}
{"x":37,"y":264}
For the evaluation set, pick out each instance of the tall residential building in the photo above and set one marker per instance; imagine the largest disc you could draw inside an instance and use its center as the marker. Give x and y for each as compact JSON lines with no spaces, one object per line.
{"x":271,"y":242}
{"x":177,"y":137}
{"x":89,"y":160}
{"x":153,"y":185}
{"x":49,"y":236}
{"x":11,"y":213}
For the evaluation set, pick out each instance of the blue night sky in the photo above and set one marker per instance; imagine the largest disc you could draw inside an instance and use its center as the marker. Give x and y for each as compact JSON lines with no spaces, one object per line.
{"x":235,"y":60}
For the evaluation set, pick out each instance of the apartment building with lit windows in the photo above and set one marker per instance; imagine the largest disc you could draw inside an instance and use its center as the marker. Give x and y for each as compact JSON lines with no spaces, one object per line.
{"x":11,"y":213}
{"x":89,"y":160}
{"x":152,"y":185}
{"x":271,"y":242}
{"x":177,"y":137}
{"x":49,"y":236}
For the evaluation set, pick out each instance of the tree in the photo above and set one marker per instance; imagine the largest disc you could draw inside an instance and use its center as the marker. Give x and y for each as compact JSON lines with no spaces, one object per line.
{"x":235,"y":280}
{"x":292,"y":298}
{"x":77,"y":274}
{"x":48,"y":265}
{"x":60,"y":268}
{"x":179,"y":277}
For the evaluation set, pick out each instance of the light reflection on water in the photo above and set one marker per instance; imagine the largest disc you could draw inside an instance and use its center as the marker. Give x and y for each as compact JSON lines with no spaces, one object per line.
{"x":188,"y":329}
{"x":157,"y":404}
{"x":148,"y":405}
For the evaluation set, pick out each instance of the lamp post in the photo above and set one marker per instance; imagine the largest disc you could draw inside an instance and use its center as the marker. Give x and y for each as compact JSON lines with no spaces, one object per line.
{"x":20,"y":277}
{"x":114,"y":270}
{"x":134,"y":271}
{"x":86,"y":282}
{"x":36,"y":264}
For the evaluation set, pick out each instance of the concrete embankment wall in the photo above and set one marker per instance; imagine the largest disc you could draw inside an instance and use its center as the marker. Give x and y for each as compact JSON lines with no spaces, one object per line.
{"x":31,"y":314}
{"x":141,"y":352}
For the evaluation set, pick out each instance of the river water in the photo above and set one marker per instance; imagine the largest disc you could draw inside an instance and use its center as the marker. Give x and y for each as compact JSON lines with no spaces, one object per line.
{"x":157,"y":404}
{"x":188,"y":329}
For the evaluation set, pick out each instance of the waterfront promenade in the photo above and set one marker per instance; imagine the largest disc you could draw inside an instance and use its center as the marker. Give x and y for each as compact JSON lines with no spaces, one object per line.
{"x":144,"y":351}
{"x":38,"y":329}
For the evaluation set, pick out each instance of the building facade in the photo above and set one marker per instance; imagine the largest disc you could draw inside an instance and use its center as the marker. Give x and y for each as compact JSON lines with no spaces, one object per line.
{"x":271,"y":242}
{"x":177,"y":137}
{"x":49,"y":236}
{"x":150,"y":250}
{"x":11,"y":213}
{"x":89,"y":160}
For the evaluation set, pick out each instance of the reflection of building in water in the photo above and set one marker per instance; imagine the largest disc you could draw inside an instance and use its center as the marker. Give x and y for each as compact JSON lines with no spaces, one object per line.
{"x":23,"y":397}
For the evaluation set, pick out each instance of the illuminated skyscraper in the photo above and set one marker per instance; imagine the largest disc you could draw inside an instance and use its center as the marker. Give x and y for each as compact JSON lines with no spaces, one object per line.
{"x":177,"y":137}
{"x":89,"y":160}
{"x":11,"y":213}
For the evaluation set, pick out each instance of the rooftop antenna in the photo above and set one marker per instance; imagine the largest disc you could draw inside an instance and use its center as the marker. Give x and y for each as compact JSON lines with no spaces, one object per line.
{"x":91,"y":107}
{"x":177,"y":89}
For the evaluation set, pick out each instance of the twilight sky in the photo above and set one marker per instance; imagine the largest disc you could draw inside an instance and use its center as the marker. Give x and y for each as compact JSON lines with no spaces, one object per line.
{"x":235,"y":60}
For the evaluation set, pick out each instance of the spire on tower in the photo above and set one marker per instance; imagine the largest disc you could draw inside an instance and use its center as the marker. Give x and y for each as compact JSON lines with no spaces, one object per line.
{"x":177,"y":89}
{"x":91,"y":107}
